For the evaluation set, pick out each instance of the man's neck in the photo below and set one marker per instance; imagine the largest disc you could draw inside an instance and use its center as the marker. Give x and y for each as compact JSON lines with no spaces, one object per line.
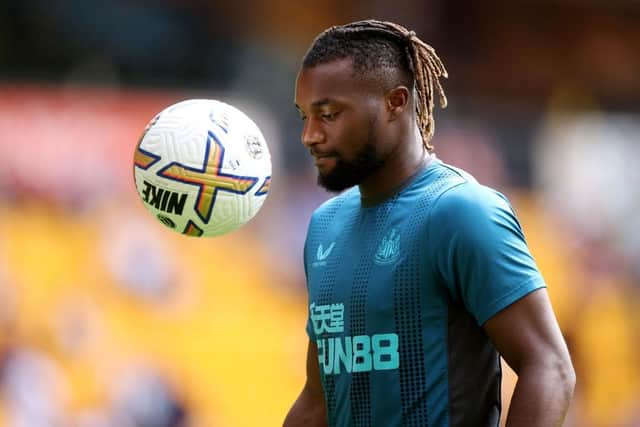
{"x":394,"y":172}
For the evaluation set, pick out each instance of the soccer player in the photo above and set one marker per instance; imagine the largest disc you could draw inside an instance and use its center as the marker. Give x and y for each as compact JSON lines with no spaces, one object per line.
{"x":419,"y":277}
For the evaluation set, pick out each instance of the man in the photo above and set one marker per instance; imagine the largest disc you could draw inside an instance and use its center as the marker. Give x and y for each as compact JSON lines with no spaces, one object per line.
{"x":418,"y":276}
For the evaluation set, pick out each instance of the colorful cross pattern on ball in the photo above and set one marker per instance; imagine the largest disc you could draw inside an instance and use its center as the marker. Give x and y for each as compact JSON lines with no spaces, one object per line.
{"x":210,"y":178}
{"x":144,"y":159}
{"x":192,"y":229}
{"x":264,"y":189}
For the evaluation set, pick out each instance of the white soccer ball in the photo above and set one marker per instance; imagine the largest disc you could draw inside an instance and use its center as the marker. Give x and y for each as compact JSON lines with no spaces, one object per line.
{"x":202,"y":167}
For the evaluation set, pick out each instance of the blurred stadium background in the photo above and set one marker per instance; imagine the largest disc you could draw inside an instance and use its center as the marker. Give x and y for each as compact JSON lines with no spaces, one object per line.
{"x":107,"y":319}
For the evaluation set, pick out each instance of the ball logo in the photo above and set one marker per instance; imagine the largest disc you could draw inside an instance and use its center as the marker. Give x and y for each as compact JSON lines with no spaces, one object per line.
{"x":254,"y":147}
{"x":166,"y":221}
{"x":163,"y":199}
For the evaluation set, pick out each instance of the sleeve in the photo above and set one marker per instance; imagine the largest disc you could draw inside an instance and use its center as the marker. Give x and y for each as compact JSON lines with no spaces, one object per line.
{"x":478,"y":250}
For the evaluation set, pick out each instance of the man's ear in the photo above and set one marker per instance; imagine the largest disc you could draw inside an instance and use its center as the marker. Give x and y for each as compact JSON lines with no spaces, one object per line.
{"x":397,"y":101}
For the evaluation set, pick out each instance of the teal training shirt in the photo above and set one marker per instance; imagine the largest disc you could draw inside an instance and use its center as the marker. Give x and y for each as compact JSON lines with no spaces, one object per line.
{"x":398,"y":293}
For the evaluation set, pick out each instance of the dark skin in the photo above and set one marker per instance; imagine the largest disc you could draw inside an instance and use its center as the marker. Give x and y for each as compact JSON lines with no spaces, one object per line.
{"x":527,"y":336}
{"x":337,"y":107}
{"x":309,"y":408}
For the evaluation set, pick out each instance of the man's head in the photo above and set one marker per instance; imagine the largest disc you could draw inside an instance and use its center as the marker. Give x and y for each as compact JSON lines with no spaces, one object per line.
{"x":356,"y":91}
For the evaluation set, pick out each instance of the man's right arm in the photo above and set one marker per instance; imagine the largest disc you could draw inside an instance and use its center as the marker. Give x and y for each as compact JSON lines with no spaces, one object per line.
{"x":309,"y":409}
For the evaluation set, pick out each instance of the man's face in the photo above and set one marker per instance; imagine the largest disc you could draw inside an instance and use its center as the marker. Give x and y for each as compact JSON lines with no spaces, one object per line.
{"x":340,"y":114}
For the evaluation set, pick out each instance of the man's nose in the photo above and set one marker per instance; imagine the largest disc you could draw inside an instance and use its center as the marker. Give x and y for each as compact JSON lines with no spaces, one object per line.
{"x":312,"y":133}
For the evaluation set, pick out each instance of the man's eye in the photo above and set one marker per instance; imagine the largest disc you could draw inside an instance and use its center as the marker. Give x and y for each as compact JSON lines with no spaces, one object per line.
{"x":303,"y":118}
{"x":329,"y":116}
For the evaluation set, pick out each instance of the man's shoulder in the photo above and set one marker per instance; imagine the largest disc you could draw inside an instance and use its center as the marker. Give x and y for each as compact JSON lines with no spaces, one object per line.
{"x":468,"y":208}
{"x":461,"y":192}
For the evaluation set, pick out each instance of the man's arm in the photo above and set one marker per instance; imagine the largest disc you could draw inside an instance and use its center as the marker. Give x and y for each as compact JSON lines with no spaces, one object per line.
{"x":528,"y":337}
{"x":309,"y":409}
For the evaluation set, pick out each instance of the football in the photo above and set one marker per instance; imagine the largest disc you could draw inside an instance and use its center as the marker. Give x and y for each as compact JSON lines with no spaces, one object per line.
{"x":202,"y":167}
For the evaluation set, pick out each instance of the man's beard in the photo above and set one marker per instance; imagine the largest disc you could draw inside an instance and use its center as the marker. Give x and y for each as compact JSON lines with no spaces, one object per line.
{"x":347,"y":173}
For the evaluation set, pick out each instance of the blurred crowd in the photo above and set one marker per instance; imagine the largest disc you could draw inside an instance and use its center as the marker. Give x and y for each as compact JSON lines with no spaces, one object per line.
{"x":107,"y":319}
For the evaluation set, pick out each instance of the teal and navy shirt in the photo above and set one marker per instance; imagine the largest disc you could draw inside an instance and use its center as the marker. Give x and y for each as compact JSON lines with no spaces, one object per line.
{"x":398,"y":294}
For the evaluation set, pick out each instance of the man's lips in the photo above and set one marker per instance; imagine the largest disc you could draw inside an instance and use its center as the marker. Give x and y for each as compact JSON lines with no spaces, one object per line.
{"x":320,"y":154}
{"x":323,"y":158}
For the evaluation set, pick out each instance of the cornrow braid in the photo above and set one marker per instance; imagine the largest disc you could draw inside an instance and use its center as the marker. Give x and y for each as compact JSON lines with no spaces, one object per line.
{"x":421,"y":60}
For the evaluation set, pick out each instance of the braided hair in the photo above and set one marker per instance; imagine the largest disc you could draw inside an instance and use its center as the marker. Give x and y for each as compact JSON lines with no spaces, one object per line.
{"x":382,"y":47}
